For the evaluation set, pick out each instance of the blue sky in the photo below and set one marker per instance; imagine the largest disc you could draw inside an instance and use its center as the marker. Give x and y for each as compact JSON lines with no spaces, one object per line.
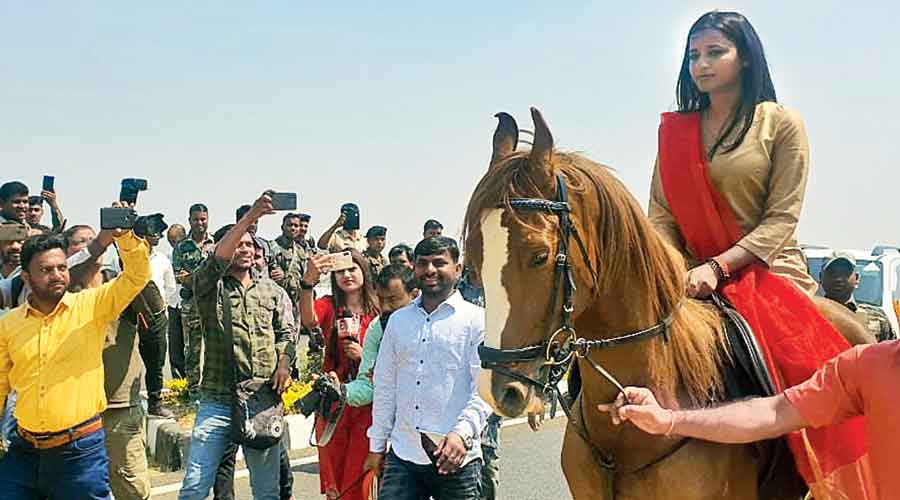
{"x":390,"y":104}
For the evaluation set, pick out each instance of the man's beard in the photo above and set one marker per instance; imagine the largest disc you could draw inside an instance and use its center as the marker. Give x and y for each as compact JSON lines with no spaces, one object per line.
{"x":48,"y":294}
{"x":12,"y":261}
{"x":441,"y":288}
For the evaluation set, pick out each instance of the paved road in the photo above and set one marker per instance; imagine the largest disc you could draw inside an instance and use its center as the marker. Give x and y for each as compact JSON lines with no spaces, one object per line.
{"x":529,"y":468}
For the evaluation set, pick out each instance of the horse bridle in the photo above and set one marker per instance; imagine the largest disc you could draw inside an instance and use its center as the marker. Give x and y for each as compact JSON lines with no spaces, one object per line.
{"x":559,"y":350}
{"x":561,"y":347}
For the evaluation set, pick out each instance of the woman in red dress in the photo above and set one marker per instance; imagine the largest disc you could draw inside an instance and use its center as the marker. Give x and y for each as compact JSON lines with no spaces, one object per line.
{"x":353,"y":305}
{"x":727,"y":192}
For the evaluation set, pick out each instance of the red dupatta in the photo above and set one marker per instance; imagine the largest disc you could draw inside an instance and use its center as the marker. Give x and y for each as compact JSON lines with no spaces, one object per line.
{"x":795,"y":338}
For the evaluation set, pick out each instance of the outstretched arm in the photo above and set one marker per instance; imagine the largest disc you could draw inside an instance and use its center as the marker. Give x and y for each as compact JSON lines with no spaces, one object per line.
{"x":741,"y":422}
{"x":325,"y":239}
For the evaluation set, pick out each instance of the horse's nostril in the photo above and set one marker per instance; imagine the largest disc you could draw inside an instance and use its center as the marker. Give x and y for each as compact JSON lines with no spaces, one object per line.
{"x":513,"y":399}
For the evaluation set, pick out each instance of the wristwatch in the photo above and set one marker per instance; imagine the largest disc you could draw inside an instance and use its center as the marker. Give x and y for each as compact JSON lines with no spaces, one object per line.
{"x":305,"y":286}
{"x":468,"y":442}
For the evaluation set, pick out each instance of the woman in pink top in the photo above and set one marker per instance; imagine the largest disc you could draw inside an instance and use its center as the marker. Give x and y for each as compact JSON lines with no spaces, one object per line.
{"x":862,"y":381}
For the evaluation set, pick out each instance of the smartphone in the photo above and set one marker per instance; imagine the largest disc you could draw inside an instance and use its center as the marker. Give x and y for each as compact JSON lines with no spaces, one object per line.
{"x":351,"y":212}
{"x":13,"y":232}
{"x":117,"y":218}
{"x":429,"y":446}
{"x":340,"y":261}
{"x":284,"y":201}
{"x":48,"y":182}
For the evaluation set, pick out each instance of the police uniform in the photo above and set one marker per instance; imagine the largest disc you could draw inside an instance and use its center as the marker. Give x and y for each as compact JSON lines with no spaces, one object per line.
{"x":290,"y":258}
{"x":187,"y":256}
{"x":873,"y":318}
{"x":375,"y":259}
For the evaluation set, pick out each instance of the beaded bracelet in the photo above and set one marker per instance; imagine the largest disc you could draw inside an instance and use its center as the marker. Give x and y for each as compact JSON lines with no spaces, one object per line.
{"x":720,"y":268}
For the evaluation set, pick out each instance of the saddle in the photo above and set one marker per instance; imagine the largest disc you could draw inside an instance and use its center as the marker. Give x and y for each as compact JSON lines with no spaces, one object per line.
{"x":747,"y":375}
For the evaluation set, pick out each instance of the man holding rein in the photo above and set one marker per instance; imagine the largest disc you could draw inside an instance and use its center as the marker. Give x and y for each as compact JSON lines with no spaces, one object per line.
{"x":860,"y":381}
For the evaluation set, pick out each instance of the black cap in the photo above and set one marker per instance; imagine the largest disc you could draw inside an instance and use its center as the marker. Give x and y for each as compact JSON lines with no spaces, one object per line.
{"x":433,"y":224}
{"x":304,"y":217}
{"x":241,"y":211}
{"x":35,"y":200}
{"x":376,"y":231}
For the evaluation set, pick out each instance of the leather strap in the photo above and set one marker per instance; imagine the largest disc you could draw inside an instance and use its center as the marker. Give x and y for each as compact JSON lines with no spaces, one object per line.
{"x":48,"y":441}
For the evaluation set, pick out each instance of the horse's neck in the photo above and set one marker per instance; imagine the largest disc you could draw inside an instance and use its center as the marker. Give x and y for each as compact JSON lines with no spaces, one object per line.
{"x":628,"y":363}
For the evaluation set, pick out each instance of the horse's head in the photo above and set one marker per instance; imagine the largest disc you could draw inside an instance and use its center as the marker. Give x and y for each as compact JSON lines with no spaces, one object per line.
{"x":515,"y":250}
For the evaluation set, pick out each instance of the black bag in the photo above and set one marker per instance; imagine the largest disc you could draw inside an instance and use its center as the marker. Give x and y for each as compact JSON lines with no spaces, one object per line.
{"x":257,"y":411}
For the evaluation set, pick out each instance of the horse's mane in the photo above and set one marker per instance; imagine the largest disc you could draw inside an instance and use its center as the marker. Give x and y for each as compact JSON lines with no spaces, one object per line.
{"x":624,"y":248}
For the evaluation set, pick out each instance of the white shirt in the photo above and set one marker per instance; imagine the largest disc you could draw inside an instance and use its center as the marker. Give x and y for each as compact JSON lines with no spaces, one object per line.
{"x":163,"y":275}
{"x":175,"y":301}
{"x":425,"y":378}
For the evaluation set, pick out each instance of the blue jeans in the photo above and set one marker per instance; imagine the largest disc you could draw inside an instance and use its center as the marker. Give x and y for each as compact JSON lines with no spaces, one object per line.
{"x":77,"y":471}
{"x":8,"y":424}
{"x":490,"y":451}
{"x":404,"y":480}
{"x":209,"y":439}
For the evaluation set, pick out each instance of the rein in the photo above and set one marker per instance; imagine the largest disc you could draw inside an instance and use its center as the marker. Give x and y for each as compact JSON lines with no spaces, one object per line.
{"x":563,"y":346}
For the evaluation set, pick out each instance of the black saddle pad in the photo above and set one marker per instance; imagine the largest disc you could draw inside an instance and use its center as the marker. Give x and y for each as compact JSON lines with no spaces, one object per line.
{"x":746,"y":374}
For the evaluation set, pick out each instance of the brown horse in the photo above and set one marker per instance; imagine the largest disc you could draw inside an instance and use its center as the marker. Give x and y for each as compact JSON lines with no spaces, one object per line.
{"x":626,"y":278}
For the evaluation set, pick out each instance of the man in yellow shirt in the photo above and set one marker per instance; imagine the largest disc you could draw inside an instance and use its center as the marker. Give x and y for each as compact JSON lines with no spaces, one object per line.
{"x":50,"y":354}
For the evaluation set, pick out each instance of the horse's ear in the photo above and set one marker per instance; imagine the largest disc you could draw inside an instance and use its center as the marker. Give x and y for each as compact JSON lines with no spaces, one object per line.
{"x":542,"y":149}
{"x":506,"y":137}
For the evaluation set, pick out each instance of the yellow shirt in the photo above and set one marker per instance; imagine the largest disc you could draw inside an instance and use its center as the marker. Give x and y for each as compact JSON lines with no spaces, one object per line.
{"x":54,"y":362}
{"x":763,"y":181}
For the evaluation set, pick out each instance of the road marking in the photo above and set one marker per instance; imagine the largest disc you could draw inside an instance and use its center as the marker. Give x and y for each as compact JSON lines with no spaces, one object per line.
{"x":242,"y":473}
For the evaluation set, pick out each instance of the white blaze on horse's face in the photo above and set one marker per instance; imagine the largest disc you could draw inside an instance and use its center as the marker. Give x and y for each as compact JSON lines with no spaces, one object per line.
{"x":495,"y":255}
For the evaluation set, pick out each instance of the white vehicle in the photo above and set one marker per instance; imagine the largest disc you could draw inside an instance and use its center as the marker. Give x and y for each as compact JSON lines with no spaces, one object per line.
{"x":879,"y":273}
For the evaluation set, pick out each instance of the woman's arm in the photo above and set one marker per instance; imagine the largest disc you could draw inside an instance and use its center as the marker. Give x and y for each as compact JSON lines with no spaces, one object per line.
{"x":785,"y":189}
{"x":316,"y":265}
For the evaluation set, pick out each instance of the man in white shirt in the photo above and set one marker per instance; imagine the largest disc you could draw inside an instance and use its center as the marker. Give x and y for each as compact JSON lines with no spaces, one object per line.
{"x":175,"y":234}
{"x":425,"y":388}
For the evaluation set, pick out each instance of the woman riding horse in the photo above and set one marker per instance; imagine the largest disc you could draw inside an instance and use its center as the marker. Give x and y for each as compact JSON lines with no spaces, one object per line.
{"x":727,"y":192}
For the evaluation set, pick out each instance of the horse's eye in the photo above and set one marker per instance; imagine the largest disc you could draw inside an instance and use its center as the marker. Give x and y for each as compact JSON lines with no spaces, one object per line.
{"x":540,"y":259}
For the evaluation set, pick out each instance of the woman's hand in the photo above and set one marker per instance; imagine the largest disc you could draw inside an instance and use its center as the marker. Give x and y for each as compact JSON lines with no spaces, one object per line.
{"x":701,"y":282}
{"x":352,"y":349}
{"x":315,"y":267}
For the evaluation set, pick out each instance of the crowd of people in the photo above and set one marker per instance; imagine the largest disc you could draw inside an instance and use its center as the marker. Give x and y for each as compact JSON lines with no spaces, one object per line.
{"x":98,"y":314}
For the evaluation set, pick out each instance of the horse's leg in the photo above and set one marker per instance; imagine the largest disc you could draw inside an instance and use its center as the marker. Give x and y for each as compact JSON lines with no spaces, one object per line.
{"x":583,"y":473}
{"x":844,"y":321}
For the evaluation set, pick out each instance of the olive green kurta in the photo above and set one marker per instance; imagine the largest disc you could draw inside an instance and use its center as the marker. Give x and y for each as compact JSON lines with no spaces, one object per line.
{"x":763,"y":181}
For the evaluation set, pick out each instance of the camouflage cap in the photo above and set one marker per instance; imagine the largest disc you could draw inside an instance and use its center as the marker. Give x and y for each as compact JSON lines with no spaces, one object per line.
{"x":840,"y":256}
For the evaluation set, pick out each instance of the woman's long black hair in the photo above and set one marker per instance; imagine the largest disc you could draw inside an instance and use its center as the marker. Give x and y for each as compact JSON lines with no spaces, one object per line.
{"x":756,"y":82}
